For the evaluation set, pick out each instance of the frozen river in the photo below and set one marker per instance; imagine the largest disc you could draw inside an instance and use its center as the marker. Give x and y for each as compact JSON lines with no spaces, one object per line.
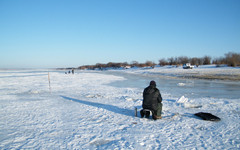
{"x":176,"y":87}
{"x":170,"y":86}
{"x":88,"y":110}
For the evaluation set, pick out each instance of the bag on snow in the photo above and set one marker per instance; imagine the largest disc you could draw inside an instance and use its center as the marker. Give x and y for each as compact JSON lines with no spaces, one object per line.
{"x":207,"y":116}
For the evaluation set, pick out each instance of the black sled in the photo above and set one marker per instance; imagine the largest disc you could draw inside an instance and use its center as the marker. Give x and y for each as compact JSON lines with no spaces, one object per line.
{"x":207,"y":116}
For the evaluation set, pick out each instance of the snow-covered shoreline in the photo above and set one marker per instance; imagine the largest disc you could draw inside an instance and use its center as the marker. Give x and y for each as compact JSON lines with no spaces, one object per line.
{"x":82,"y":111}
{"x":202,"y":72}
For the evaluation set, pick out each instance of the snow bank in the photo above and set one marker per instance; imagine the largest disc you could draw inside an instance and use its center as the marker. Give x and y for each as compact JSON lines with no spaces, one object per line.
{"x":83,"y":112}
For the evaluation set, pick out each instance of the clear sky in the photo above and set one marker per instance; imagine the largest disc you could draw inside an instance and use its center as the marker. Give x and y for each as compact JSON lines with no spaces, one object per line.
{"x":71,"y":33}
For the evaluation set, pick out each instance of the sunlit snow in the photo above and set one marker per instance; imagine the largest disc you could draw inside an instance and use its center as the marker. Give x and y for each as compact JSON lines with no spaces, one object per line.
{"x":90,"y":110}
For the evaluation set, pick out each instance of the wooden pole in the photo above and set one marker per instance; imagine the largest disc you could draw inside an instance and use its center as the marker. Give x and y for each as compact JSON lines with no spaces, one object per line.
{"x":49,"y":82}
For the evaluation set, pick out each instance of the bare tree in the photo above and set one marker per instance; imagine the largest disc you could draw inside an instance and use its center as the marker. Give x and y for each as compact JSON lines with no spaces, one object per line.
{"x":183,"y":60}
{"x":163,"y":62}
{"x":206,"y":60}
{"x":233,"y":59}
{"x":194,"y":61}
{"x":134,"y":64}
{"x":171,"y":61}
{"x":150,"y":63}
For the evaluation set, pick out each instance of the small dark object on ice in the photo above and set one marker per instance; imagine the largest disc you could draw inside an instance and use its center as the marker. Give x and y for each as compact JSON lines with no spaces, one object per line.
{"x":207,"y":116}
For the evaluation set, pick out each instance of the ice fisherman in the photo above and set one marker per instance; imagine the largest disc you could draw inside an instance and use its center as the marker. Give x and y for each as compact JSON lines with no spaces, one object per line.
{"x":152,"y":100}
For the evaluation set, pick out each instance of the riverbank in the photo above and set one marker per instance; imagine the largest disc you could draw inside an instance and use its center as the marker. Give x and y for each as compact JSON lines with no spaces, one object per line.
{"x":210,"y":72}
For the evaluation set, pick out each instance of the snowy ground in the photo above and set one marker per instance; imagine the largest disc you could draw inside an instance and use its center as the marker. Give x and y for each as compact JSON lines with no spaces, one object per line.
{"x":83,"y":111}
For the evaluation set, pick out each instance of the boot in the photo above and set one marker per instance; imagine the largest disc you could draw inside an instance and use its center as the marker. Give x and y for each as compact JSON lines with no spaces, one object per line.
{"x":156,"y":117}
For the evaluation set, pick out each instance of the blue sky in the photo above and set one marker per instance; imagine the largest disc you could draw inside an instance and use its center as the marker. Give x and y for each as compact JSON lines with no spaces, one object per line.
{"x":71,"y":33}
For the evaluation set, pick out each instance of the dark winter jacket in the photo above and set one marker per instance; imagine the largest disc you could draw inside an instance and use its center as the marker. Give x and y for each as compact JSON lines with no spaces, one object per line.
{"x":151,"y":98}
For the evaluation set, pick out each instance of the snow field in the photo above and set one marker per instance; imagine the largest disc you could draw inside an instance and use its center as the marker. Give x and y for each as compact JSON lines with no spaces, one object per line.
{"x":83,"y":111}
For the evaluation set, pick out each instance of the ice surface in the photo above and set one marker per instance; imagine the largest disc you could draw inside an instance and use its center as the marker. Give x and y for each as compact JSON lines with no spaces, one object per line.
{"x":88,"y":111}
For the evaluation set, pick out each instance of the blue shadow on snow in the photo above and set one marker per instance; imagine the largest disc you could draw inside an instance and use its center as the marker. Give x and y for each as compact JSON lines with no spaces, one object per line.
{"x":112,"y":108}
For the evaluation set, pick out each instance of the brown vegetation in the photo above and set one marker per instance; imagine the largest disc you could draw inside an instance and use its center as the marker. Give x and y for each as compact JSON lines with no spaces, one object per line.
{"x":178,"y":61}
{"x":230,"y":59}
{"x":118,"y":65}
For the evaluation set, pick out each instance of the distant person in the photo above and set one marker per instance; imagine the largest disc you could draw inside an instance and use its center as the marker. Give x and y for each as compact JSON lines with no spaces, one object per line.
{"x":72,"y":71}
{"x":152,"y":100}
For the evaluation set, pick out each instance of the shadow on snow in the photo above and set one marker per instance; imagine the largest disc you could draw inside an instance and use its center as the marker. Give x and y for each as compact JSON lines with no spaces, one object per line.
{"x":111,"y":108}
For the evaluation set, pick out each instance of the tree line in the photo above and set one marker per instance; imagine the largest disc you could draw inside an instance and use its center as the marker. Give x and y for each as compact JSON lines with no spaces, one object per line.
{"x":118,"y":65}
{"x":230,"y":59}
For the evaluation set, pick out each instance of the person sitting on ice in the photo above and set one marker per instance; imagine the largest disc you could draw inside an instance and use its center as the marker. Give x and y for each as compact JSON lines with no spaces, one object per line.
{"x":152,"y":101}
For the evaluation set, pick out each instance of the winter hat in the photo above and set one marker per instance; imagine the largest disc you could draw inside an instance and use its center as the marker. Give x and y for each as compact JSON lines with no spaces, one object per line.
{"x":153,"y":83}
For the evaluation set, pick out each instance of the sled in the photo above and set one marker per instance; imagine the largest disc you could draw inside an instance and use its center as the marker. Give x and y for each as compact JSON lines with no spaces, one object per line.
{"x":207,"y":116}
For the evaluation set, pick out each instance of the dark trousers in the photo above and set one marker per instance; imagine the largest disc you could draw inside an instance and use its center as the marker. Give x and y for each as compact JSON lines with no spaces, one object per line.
{"x":158,"y":112}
